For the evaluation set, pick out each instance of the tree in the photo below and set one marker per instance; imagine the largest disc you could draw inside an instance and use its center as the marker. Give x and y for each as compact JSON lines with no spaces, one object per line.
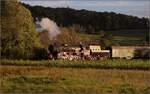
{"x":18,"y":35}
{"x":68,"y":35}
{"x":105,"y":40}
{"x":44,"y":38}
{"x":143,"y":53}
{"x":41,"y":53}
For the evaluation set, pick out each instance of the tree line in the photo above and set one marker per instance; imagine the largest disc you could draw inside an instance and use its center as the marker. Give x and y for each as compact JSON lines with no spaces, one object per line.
{"x":90,"y":21}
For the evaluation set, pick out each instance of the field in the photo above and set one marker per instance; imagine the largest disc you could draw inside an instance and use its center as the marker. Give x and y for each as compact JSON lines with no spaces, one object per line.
{"x":99,"y":64}
{"x":73,"y":78}
{"x":121,"y":37}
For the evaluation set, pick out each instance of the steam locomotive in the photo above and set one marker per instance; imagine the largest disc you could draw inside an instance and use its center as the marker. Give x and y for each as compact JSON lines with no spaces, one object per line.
{"x":94,"y":52}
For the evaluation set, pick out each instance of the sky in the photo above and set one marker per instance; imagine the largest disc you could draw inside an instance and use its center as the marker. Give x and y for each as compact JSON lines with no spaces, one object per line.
{"x":140,"y":8}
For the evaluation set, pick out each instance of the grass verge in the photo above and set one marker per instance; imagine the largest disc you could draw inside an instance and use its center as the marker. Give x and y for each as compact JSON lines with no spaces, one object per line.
{"x":101,"y":64}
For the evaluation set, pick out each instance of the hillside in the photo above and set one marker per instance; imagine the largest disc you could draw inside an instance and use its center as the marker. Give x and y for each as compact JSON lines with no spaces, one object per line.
{"x":89,"y":21}
{"x":125,"y":29}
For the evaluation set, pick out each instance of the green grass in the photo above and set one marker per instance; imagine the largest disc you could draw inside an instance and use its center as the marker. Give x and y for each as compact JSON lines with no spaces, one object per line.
{"x":90,"y":36}
{"x":100,"y":64}
{"x":75,"y":77}
{"x":121,"y":37}
{"x":124,"y":40}
{"x":25,"y":84}
{"x":33,"y":79}
{"x":129,"y":33}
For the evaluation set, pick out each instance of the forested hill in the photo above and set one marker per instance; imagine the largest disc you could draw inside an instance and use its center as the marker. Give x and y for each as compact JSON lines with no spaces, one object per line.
{"x":90,"y":21}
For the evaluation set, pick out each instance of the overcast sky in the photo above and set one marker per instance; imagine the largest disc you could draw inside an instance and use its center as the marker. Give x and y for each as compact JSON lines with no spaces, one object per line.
{"x":140,"y":8}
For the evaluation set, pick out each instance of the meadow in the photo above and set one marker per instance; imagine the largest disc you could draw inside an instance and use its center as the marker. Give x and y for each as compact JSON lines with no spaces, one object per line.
{"x":116,"y":76}
{"x":121,"y":37}
{"x":33,"y":79}
{"x":99,"y":64}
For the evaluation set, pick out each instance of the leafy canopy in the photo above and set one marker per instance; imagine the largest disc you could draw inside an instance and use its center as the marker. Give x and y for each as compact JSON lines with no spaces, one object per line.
{"x":18,"y":31}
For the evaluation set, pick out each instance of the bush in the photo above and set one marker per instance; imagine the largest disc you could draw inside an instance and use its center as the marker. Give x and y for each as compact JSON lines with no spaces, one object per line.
{"x":142,"y":53}
{"x":40,"y":54}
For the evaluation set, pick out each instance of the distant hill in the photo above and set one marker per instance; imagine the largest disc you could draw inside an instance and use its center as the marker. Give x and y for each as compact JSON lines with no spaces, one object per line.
{"x":90,"y":21}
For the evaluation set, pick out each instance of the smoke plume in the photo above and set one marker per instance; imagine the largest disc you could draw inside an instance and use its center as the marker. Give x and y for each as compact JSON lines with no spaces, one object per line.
{"x":51,"y":27}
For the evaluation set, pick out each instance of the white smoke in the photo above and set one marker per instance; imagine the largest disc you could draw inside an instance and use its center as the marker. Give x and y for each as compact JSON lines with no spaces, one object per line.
{"x":51,"y":27}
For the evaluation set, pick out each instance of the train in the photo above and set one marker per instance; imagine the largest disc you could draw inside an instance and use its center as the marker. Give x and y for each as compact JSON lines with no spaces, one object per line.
{"x":94,"y":52}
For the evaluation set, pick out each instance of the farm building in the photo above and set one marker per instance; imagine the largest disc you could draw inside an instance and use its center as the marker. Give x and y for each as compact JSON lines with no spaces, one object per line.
{"x":129,"y":52}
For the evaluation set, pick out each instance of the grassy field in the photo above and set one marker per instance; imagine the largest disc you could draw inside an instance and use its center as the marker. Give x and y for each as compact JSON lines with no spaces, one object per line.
{"x":121,"y":40}
{"x":90,"y":36}
{"x":75,"y":77}
{"x":100,"y":64}
{"x":33,"y":79}
{"x":121,"y":37}
{"x":129,"y":33}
